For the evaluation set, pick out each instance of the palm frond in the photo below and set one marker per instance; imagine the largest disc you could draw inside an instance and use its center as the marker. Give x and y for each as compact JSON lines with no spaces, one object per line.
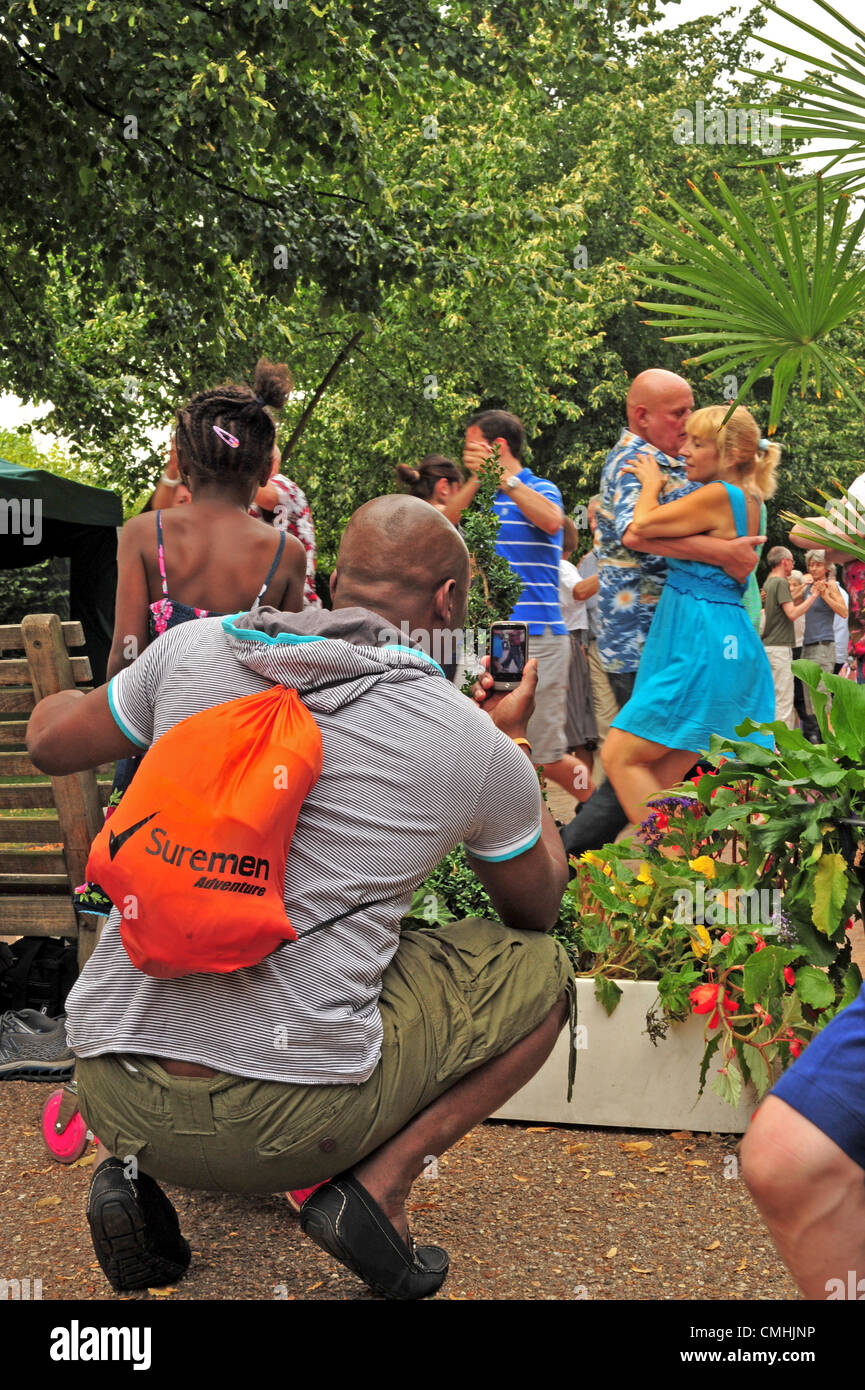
{"x":846,"y":518}
{"x":756,"y":291}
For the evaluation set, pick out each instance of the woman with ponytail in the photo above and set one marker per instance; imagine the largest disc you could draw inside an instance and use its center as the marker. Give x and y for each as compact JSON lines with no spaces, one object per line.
{"x":437,"y":480}
{"x":703,"y":669}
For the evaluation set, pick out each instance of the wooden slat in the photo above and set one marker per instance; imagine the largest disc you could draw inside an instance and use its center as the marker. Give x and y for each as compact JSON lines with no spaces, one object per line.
{"x":39,"y":916}
{"x":40,"y":830}
{"x":13,"y":731}
{"x":33,"y":861}
{"x":17,"y":701}
{"x":34,"y":883}
{"x":77,"y":797}
{"x":27,"y":796}
{"x":11,"y":639}
{"x":15,"y":670}
{"x":89,"y":932}
{"x":19,"y":765}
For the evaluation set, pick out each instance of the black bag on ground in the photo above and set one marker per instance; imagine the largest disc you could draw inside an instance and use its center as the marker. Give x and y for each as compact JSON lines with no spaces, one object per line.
{"x":37,"y":972}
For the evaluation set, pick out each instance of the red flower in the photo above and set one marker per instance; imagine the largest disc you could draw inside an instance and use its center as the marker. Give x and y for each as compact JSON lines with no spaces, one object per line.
{"x":661,"y":821}
{"x":759,"y":940}
{"x":795,"y":1047}
{"x":789,"y":976}
{"x":849,"y":926}
{"x":726,"y":939}
{"x":704,"y":998}
{"x":697,"y":775}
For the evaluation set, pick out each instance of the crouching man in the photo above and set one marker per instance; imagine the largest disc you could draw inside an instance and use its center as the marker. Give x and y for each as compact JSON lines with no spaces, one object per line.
{"x":358,"y":1050}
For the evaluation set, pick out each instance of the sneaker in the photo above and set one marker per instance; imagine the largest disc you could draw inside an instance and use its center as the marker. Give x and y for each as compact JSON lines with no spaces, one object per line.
{"x":135,"y":1230}
{"x":33,"y":1047}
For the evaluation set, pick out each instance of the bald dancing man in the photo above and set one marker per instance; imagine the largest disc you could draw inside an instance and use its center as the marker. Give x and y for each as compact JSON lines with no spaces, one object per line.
{"x":632,"y":571}
{"x":365,"y":1049}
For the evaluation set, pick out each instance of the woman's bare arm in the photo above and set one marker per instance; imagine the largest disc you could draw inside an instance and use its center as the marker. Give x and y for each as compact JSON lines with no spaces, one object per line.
{"x":131,"y":633}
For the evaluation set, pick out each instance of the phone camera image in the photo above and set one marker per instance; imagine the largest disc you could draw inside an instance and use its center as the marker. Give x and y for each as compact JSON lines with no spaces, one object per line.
{"x":508,"y":653}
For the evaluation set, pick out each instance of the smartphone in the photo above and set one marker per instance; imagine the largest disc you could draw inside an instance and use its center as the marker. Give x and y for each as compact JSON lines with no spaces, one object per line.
{"x":509,"y":652}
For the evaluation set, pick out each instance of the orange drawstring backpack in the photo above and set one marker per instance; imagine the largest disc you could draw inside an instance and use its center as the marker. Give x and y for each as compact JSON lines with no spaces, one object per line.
{"x":194,"y":856}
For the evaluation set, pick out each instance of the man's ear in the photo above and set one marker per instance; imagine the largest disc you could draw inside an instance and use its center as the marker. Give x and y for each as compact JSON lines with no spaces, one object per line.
{"x":443,"y":600}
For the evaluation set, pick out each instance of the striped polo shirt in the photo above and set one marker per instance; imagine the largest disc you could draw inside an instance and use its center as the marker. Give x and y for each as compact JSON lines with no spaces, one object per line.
{"x":533,"y":555}
{"x":412,"y":768}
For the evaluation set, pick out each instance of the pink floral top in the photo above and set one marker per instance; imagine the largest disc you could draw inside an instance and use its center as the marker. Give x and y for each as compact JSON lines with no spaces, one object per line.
{"x":292,"y":514}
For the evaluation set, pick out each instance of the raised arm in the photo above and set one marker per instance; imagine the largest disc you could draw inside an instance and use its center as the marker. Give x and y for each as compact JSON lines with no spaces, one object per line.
{"x":461,"y":499}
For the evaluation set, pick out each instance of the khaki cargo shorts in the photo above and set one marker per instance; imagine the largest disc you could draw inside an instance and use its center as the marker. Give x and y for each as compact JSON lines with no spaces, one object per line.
{"x":452,"y":998}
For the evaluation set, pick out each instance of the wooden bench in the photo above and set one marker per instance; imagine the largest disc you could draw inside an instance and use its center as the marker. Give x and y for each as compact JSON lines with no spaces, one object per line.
{"x":42,"y":858}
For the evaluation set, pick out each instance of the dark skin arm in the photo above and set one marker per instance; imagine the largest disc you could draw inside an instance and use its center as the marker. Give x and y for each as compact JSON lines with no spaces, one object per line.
{"x":131,"y":634}
{"x":73,"y":731}
{"x":526,"y":891}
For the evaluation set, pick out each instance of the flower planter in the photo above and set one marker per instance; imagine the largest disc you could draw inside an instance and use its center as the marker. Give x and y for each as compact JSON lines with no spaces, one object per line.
{"x":623,"y":1079}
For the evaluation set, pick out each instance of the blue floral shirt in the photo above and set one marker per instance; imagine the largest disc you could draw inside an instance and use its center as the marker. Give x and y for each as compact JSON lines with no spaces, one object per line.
{"x":630,"y":581}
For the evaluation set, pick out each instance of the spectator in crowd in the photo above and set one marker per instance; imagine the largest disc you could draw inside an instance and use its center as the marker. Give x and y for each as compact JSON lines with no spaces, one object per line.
{"x":844,"y":520}
{"x":658,"y":405}
{"x":603,"y":701}
{"x":531,"y":517}
{"x":438,"y":480}
{"x":842,"y":623}
{"x":580,"y":728}
{"x":799,"y":584}
{"x":170,"y":490}
{"x":398,"y":1043}
{"x":282,"y":503}
{"x":819,"y":643}
{"x":778,"y":631}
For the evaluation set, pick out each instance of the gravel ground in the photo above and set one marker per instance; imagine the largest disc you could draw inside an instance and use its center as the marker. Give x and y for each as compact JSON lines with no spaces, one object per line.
{"x":526,"y":1212}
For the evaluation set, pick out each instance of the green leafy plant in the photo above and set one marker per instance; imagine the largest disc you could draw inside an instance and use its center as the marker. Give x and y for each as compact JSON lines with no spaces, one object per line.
{"x":771,"y":293}
{"x":845,"y":516}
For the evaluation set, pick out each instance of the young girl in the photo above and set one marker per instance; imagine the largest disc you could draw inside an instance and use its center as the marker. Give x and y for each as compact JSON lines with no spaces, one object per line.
{"x":209,"y":557}
{"x":703,"y":669}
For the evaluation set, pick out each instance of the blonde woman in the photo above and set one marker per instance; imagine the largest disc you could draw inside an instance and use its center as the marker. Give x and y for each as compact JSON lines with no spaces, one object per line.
{"x":703,"y":669}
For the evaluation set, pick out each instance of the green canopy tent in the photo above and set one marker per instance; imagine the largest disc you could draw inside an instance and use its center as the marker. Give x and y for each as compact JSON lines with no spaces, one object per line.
{"x":42,"y":515}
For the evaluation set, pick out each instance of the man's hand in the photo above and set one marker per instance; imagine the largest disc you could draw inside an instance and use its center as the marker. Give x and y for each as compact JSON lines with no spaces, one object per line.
{"x":742,"y":557}
{"x":509,"y":712}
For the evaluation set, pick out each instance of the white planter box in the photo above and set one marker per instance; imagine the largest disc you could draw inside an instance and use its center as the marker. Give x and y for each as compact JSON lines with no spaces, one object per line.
{"x":623,"y":1079}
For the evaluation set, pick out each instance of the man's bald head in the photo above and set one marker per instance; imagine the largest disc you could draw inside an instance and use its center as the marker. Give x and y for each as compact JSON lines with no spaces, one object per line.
{"x":401,"y":558}
{"x":658,"y":405}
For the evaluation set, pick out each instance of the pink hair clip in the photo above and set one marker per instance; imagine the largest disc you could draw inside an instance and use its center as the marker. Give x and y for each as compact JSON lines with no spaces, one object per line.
{"x":226,"y":437}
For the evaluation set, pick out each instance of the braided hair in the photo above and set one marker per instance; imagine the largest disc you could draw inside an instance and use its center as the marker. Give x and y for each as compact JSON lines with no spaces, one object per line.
{"x":210,"y":422}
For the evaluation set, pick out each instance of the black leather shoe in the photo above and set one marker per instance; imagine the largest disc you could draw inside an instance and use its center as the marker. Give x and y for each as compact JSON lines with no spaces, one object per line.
{"x":135,"y":1230}
{"x":344,"y":1220}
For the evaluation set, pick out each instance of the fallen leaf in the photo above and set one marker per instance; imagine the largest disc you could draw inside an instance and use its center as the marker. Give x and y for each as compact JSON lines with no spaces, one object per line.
{"x":84,"y":1162}
{"x":162,"y":1293}
{"x":575,"y":1148}
{"x":613,"y":1250}
{"x":697,"y":1163}
{"x":681,"y":1134}
{"x":662,"y":1169}
{"x":517,"y":1178}
{"x":538,"y":1129}
{"x":640,"y":1146}
{"x":716,"y":1245}
{"x":606,"y":1173}
{"x":315,"y":1286}
{"x":45,"y":1220}
{"x":700,"y":1177}
{"x":634,"y":1270}
{"x":49,"y":1202}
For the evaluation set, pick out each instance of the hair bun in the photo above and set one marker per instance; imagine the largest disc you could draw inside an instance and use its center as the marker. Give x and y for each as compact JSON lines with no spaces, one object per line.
{"x":407,"y":474}
{"x":273,"y":383}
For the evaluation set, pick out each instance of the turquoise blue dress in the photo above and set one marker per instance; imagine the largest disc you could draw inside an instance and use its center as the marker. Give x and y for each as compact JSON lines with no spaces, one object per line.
{"x":703,"y":669}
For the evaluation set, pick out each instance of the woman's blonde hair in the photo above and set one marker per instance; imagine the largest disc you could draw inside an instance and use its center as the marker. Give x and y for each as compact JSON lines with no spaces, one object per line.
{"x":739,"y":445}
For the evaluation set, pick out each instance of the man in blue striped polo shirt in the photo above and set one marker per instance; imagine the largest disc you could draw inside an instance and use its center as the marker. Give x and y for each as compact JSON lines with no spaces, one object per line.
{"x":530,"y":514}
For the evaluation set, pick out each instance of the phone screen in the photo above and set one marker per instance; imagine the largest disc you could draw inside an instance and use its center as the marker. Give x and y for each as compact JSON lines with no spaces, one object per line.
{"x":507,"y":653}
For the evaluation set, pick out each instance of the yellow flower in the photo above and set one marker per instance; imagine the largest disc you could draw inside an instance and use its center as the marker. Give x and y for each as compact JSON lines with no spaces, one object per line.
{"x":645,"y":874}
{"x":703,"y":865}
{"x":703,"y":945}
{"x":589,"y":858}
{"x":608,"y":870}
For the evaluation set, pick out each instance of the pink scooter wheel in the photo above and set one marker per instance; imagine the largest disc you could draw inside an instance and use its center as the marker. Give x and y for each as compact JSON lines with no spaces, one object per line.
{"x":72,"y":1142}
